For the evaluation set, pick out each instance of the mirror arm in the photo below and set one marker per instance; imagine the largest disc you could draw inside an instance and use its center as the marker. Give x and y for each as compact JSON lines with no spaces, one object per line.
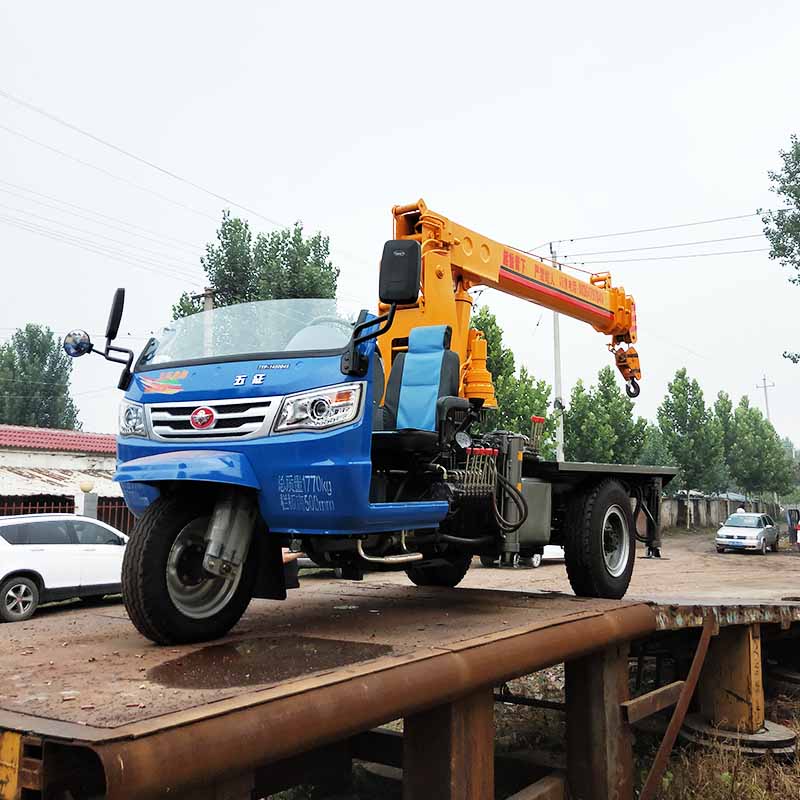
{"x":125,"y":377}
{"x":353,"y":362}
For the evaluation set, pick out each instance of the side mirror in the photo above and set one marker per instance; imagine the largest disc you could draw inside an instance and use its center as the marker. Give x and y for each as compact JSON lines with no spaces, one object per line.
{"x":401,"y":267}
{"x":115,"y":315}
{"x":77,"y":343}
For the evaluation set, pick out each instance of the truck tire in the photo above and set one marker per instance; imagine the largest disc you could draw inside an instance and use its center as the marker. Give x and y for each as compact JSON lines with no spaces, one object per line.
{"x":600,"y":543}
{"x":169,"y":597}
{"x":19,"y":598}
{"x":449,"y":574}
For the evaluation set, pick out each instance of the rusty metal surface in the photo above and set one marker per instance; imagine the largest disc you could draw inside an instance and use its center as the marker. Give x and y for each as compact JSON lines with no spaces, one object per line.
{"x":689,"y":612}
{"x":90,"y":667}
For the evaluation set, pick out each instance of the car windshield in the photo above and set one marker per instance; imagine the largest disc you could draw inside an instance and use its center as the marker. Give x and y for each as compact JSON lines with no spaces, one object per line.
{"x":264,"y":328}
{"x":742,"y":521}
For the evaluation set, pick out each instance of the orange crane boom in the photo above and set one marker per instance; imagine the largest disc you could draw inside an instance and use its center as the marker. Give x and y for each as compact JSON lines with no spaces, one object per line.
{"x":456,"y":259}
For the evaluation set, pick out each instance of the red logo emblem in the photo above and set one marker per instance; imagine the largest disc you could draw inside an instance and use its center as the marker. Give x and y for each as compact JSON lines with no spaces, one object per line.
{"x":203,"y":418}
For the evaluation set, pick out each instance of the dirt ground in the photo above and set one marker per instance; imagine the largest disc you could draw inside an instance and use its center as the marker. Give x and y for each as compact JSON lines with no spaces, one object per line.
{"x":689,"y":568}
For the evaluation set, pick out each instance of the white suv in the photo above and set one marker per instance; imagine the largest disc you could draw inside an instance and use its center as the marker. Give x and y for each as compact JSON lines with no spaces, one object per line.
{"x":47,"y":557}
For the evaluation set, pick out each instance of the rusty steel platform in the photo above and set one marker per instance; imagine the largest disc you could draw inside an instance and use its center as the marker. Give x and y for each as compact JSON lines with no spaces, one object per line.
{"x":331,"y":662}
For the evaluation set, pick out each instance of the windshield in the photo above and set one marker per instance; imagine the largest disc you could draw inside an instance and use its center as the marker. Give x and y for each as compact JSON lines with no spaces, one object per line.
{"x":742,"y":521}
{"x":264,"y":328}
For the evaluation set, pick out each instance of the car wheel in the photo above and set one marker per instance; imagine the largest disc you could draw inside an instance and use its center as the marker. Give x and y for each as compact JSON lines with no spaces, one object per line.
{"x":774,"y":547}
{"x":720,"y":549}
{"x":168,"y":595}
{"x":19,"y":598}
{"x":763,"y":549}
{"x":536,"y":560}
{"x":488,"y":561}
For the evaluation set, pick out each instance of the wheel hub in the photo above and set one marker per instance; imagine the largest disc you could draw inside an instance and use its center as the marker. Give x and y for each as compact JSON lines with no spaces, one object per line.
{"x":19,"y":599}
{"x":616,"y":541}
{"x":193,"y":591}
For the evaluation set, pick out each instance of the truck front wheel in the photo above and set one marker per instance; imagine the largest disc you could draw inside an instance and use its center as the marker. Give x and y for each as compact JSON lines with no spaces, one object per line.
{"x":169,"y":597}
{"x":600,"y":543}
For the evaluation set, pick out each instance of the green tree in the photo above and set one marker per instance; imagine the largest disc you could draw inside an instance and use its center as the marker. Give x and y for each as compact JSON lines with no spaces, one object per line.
{"x":692,"y":436}
{"x":723,"y":412}
{"x":654,"y":448}
{"x":499,"y":360}
{"x":34,"y":381}
{"x":519,"y":396}
{"x":599,"y":425}
{"x":273,"y":266}
{"x":759,"y":460}
{"x":588,"y":435}
{"x":782,"y":227}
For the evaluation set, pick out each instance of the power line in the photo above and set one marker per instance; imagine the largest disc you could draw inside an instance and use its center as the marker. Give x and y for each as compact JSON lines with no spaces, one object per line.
{"x":129,"y":154}
{"x":685,"y":255}
{"x":664,"y":246}
{"x":159,"y":254}
{"x":659,"y":228}
{"x":186,"y":246}
{"x":107,"y":172}
{"x":99,"y":249}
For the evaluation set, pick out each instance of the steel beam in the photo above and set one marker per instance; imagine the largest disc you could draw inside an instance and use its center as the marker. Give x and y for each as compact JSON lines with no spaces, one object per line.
{"x":599,"y":746}
{"x":448,"y":752}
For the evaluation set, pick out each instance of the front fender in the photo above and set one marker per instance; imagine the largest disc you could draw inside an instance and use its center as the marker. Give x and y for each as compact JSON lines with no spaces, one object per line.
{"x":214,"y":466}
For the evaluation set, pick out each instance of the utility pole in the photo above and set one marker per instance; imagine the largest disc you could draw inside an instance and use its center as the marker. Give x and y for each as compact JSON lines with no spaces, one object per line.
{"x":558,"y":401}
{"x":208,"y":331}
{"x":765,"y":386}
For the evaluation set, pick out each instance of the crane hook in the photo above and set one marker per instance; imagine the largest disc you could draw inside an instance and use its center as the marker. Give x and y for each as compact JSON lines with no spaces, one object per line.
{"x":632,"y":388}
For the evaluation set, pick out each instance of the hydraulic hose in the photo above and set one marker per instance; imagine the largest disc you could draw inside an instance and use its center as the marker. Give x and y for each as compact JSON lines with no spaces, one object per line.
{"x":518,"y":500}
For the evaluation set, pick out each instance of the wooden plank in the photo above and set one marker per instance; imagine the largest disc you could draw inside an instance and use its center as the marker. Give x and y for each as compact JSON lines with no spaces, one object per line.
{"x":599,"y":746}
{"x":553,"y":787}
{"x":10,"y":752}
{"x":731,"y":688}
{"x":448,"y":752}
{"x":651,"y":703}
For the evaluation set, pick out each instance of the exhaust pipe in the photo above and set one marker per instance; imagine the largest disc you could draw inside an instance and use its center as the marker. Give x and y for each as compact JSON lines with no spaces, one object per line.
{"x":229,"y":533}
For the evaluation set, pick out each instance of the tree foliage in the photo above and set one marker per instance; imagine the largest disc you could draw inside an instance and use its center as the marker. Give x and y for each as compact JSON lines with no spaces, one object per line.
{"x":281,"y":264}
{"x":692,"y":435}
{"x":34,"y":381}
{"x":655,"y":451}
{"x":759,"y":461}
{"x":519,"y":395}
{"x":782,"y":227}
{"x":599,"y":424}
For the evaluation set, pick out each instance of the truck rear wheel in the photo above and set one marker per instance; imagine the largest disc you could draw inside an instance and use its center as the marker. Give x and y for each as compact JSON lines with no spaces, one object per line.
{"x":449,"y":574}
{"x":169,"y":597}
{"x":600,"y":543}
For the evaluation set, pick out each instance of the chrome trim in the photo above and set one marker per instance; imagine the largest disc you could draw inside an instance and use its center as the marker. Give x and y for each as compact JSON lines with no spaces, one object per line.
{"x":256,"y":419}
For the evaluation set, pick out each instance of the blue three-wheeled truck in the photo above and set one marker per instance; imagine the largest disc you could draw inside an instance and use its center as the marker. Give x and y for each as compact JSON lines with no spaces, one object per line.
{"x":250,"y":428}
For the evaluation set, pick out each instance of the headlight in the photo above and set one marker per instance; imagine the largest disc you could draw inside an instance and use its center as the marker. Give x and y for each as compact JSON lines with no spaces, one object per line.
{"x":319,"y":409}
{"x":131,"y":419}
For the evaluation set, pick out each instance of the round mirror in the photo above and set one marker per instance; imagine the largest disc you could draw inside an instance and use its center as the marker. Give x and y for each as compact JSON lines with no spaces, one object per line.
{"x":77,"y":343}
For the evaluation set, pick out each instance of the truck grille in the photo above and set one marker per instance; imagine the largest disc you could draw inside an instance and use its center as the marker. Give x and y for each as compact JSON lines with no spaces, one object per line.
{"x":235,"y":419}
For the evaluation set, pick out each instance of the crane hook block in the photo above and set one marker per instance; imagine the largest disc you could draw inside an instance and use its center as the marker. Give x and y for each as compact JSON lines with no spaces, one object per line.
{"x":632,"y":388}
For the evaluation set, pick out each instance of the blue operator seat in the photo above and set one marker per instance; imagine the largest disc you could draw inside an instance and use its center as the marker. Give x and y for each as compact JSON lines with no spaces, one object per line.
{"x":419,"y":379}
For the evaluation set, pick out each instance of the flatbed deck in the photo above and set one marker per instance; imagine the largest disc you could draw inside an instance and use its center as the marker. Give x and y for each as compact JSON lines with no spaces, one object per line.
{"x":331,"y":662}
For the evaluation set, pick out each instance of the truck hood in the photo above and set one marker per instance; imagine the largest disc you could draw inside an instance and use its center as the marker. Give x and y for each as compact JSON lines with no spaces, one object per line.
{"x":235,"y":379}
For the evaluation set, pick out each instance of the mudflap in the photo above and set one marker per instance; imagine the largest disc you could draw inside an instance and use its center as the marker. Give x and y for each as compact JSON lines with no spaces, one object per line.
{"x":273,"y":578}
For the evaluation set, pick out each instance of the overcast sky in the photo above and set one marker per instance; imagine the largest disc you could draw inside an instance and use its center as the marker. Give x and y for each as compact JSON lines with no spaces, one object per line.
{"x":526,"y":121}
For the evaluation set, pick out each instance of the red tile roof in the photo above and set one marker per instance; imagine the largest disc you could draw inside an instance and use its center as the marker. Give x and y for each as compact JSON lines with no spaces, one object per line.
{"x":21,"y":437}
